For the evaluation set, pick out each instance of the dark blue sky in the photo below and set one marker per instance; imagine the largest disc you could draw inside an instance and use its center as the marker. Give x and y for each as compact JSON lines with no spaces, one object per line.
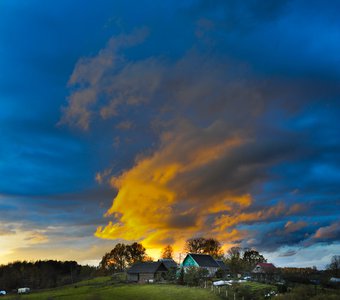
{"x":220,"y":116}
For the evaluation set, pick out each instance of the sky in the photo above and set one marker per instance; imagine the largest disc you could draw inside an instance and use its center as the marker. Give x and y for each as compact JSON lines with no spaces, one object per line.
{"x":158,"y":121}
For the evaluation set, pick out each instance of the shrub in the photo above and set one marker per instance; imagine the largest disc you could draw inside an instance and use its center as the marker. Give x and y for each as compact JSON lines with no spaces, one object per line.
{"x":194,"y":276}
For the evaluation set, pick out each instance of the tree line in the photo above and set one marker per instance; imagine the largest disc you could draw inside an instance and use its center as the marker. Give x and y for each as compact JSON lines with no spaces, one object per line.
{"x":42,"y":274}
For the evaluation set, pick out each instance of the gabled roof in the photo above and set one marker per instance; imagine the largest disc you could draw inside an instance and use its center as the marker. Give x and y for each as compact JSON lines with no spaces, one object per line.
{"x":204,"y":260}
{"x":168,"y":263}
{"x":266,"y":267}
{"x":222,"y":265}
{"x":147,"y":267}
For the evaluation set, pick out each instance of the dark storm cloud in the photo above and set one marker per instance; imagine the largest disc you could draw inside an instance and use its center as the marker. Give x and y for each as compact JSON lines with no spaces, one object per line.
{"x":232,"y":110}
{"x":274,"y":121}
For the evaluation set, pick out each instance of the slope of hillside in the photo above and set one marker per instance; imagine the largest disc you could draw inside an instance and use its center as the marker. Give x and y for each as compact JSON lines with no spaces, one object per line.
{"x":103,"y":288}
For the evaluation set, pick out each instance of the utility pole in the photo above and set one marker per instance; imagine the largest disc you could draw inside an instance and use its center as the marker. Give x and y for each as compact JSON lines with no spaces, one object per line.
{"x":179,"y":258}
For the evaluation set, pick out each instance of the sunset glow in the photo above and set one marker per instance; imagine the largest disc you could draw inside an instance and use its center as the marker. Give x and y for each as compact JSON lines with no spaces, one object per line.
{"x":160,"y":121}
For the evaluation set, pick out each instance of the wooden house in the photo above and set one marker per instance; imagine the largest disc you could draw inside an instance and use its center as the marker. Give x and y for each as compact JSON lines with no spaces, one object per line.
{"x":203,"y":261}
{"x":144,"y":272}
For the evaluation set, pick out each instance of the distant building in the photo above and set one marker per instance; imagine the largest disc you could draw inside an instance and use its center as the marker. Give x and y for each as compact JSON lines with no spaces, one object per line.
{"x":203,"y":261}
{"x":265,"y":272}
{"x":150,"y":271}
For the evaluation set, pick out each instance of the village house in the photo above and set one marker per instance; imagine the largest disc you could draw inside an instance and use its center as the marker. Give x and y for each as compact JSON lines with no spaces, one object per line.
{"x":144,"y":272}
{"x":265,"y":272}
{"x":203,"y":261}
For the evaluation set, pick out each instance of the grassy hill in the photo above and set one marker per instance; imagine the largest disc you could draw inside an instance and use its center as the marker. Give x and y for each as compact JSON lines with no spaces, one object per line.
{"x":103,"y":288}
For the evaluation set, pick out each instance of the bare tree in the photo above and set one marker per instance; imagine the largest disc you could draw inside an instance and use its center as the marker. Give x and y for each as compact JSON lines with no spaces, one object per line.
{"x":334,"y":266}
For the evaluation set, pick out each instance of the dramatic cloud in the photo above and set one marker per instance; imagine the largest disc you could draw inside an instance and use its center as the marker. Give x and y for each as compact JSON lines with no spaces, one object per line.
{"x":216,"y":148}
{"x":224,"y":123}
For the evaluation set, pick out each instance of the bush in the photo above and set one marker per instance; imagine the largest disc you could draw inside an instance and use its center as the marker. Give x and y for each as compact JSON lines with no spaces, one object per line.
{"x":180,"y":279}
{"x":193,"y":276}
{"x":171,"y":275}
{"x":220,"y":273}
{"x":281,"y":288}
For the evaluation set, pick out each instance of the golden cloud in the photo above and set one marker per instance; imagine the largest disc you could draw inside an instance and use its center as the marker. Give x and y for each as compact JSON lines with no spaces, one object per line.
{"x":154,"y":204}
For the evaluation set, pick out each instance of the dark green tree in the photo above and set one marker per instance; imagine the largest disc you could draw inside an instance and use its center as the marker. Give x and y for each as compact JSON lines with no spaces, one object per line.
{"x":195,"y":276}
{"x":251,"y":258}
{"x":234,"y":260}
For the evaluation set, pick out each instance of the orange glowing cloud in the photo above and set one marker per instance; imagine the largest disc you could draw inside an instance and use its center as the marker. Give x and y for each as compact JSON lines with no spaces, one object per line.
{"x":152,"y":204}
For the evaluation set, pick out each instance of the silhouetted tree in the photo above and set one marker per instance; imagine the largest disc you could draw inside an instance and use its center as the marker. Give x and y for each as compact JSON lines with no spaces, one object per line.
{"x":167,"y":252}
{"x":135,"y":253}
{"x":116,"y":259}
{"x":195,"y":245}
{"x":213,"y":247}
{"x":251,"y":258}
{"x":234,"y":260}
{"x":334,"y":266}
{"x":202,"y":245}
{"x":122,"y":256}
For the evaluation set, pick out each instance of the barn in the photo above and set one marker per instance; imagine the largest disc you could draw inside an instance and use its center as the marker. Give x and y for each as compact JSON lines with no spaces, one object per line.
{"x":143,"y":272}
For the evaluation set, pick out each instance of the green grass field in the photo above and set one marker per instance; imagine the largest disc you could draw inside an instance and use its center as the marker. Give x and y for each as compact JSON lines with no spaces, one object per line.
{"x":257,"y":286}
{"x":102,"y":288}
